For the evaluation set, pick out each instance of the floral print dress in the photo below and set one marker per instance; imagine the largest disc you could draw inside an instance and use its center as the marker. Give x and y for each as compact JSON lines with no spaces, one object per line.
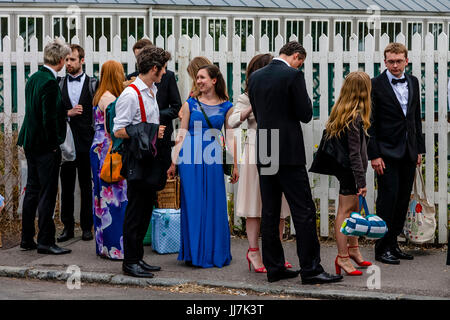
{"x":109,"y":200}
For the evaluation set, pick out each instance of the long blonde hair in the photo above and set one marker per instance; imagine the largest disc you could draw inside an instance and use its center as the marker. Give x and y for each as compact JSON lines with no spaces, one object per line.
{"x":192,"y":69}
{"x":354,"y":99}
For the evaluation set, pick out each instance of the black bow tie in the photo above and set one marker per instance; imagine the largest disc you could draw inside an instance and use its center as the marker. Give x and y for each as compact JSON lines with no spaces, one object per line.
{"x":395,"y":81}
{"x":75,"y":78}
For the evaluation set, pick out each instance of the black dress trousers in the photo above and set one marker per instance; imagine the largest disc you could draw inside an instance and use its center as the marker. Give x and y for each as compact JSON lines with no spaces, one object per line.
{"x":69,"y":169}
{"x":294,"y":182}
{"x":141,"y":198}
{"x":394,"y":191}
{"x":40,"y":195}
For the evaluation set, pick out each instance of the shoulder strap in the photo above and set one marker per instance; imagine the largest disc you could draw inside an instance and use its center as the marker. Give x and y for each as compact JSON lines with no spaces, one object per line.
{"x":204,"y":113}
{"x":208,"y":121}
{"x":141,"y":103}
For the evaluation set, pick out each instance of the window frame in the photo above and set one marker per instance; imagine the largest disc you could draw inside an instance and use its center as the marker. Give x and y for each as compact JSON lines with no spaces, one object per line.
{"x":436,"y":36}
{"x":86,"y":29}
{"x":120,"y":27}
{"x":60,"y":17}
{"x":362,"y":46}
{"x":26,"y":43}
{"x":253,"y":28}
{"x":194,"y":18}
{"x":273,"y":36}
{"x":294,"y":20}
{"x":409,"y":37}
{"x":7,"y":31}
{"x":208,"y":19}
{"x":345,"y":40}
{"x":391,"y":21}
{"x":153,"y":28}
{"x":318,"y":39}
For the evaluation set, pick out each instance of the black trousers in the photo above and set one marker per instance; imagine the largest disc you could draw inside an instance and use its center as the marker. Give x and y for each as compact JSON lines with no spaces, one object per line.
{"x":394,"y":191}
{"x":294,"y":183}
{"x":40,"y":195}
{"x":141,"y":198}
{"x":68,"y":175}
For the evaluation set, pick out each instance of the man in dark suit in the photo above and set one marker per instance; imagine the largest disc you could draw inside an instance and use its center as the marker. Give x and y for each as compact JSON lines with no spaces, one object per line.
{"x":395,"y":146}
{"x":77,"y":90}
{"x":42,"y":132}
{"x":168,"y":98}
{"x":280,"y":101}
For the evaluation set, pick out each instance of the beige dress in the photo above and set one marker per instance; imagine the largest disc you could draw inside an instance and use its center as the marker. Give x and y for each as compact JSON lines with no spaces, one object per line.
{"x":249,"y":195}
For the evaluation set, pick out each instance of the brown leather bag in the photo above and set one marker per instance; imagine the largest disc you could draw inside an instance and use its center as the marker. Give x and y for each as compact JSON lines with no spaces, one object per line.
{"x":111,"y":167}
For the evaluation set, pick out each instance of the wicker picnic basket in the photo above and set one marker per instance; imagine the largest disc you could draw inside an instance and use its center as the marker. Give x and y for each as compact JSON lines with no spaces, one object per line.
{"x":169,"y":197}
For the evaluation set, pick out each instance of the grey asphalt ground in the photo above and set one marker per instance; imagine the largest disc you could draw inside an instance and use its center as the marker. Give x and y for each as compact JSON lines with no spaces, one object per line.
{"x":425,"y":277}
{"x":32,"y":289}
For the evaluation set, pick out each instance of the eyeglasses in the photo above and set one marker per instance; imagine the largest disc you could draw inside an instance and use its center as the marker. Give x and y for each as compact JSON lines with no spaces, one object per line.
{"x":392,"y":62}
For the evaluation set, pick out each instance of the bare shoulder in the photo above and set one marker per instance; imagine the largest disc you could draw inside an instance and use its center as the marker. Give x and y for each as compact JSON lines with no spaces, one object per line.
{"x":106,"y":99}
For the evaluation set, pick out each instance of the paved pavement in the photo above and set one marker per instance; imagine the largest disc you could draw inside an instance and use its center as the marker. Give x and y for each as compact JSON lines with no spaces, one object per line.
{"x":426,"y":277}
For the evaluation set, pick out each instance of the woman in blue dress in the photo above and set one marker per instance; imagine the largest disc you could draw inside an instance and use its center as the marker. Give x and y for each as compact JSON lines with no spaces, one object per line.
{"x":109,"y":199}
{"x":205,"y":232}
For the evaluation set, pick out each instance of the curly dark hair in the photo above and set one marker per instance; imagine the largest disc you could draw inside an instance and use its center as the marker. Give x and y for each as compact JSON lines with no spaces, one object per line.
{"x":152,"y":56}
{"x":292,"y":47}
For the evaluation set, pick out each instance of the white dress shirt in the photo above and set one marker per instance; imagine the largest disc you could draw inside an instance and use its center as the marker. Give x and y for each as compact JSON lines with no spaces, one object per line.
{"x":279,"y":59}
{"x":127,"y":106}
{"x":401,"y":91}
{"x":53,"y":71}
{"x":74,"y":89}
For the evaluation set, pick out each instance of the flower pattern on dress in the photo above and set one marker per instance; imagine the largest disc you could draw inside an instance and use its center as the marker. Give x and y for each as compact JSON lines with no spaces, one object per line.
{"x":107,"y":194}
{"x":115,"y":253}
{"x":99,"y":239}
{"x":109,"y":200}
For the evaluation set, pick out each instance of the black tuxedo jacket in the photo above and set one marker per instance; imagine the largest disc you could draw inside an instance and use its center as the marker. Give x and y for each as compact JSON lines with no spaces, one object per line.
{"x":81,"y":125}
{"x":392,"y":134}
{"x":169,"y":102}
{"x":280,"y":101}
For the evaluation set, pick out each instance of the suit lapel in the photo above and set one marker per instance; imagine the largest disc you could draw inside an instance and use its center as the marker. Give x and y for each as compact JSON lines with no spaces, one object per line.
{"x":391,"y":92}
{"x":85,"y":90}
{"x":410,"y":92}
{"x":65,"y":95}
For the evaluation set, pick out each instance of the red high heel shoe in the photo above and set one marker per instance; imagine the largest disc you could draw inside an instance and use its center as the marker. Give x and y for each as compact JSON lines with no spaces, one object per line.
{"x":259,"y":270}
{"x":338,"y":268}
{"x":361,"y":264}
{"x":287,"y":265}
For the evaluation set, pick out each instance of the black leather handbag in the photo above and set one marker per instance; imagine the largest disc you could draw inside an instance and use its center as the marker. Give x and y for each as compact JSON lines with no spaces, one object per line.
{"x":332,"y":156}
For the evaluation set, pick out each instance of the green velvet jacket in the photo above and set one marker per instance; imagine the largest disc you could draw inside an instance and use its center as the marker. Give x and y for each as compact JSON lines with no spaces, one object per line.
{"x":44,"y":124}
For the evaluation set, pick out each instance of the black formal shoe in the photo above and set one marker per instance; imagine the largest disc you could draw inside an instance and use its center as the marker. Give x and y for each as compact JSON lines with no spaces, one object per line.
{"x":135,"y":270}
{"x":65,"y":235}
{"x":87,"y":235}
{"x":321,"y":278}
{"x":25,"y":245}
{"x":148,"y":267}
{"x":285,"y":274}
{"x":399,"y":254}
{"x":54,"y":249}
{"x":387,"y":257}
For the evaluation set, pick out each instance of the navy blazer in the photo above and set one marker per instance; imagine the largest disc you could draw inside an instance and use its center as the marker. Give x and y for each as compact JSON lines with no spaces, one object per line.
{"x":280,"y":101}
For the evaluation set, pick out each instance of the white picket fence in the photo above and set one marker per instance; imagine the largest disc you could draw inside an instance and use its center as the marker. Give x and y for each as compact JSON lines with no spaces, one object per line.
{"x":324,"y":188}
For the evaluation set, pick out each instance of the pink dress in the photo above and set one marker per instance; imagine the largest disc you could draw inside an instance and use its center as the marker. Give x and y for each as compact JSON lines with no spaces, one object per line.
{"x":248,"y":200}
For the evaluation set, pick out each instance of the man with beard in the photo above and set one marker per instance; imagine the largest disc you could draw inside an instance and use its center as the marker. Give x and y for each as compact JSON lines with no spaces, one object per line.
{"x":77,"y":90}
